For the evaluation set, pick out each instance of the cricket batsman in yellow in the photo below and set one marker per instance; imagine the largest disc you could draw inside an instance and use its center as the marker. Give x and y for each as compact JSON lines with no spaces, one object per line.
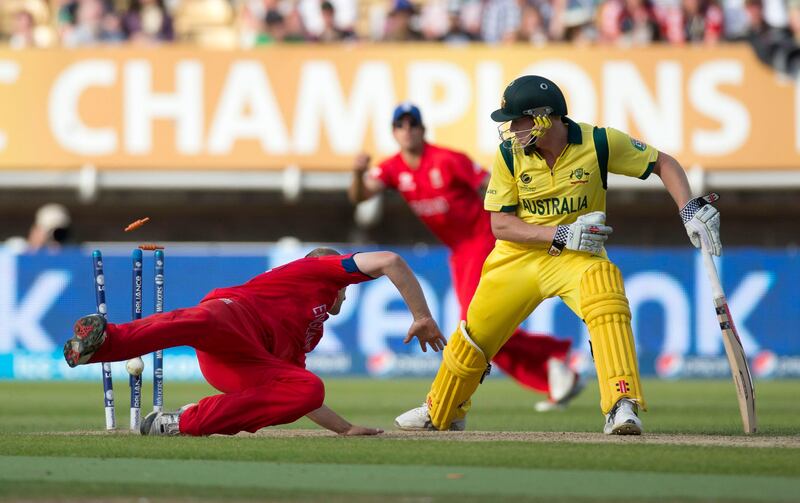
{"x":547,"y":198}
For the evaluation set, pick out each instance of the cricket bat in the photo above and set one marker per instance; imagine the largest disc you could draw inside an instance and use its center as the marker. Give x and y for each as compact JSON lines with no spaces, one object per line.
{"x":733,"y":348}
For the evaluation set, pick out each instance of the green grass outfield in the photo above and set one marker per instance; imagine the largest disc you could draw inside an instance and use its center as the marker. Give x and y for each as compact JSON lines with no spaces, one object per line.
{"x":52,"y":448}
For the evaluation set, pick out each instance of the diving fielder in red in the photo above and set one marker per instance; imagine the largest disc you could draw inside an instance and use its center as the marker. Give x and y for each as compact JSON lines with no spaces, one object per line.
{"x":251,"y":342}
{"x":444,"y":189}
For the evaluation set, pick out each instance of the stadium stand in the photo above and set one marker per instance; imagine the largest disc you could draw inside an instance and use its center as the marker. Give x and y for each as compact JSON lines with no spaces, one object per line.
{"x":293,"y":196}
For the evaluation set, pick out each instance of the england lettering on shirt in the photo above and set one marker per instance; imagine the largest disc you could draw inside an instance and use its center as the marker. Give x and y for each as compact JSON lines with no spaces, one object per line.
{"x":429,"y":207}
{"x":314,"y":330}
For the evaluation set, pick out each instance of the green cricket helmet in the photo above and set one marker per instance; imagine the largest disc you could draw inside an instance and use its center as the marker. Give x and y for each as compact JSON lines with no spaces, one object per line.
{"x":530,"y":95}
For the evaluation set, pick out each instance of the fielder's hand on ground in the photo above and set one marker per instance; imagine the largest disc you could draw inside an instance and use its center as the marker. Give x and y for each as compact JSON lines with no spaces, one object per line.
{"x":702,"y":223}
{"x":426,"y":331}
{"x":587,"y":234}
{"x":361,"y":430}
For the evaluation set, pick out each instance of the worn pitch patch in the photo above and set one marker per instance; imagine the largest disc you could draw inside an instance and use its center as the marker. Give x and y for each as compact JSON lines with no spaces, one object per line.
{"x":755,"y":441}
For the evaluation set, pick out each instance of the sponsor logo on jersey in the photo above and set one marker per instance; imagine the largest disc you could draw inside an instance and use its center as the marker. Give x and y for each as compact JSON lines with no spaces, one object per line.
{"x":579,"y":176}
{"x":638,"y":145}
{"x":554,"y":205}
{"x":405,"y":182}
{"x":525,"y":178}
{"x":437,"y":182}
{"x":429,"y":207}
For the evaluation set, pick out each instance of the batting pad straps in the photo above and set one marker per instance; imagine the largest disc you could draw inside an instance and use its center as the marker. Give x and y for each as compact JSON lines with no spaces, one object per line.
{"x":608,"y":318}
{"x":462,"y":369}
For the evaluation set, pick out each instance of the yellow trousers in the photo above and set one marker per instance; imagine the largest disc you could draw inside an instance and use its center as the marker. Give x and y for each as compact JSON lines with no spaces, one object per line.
{"x":515,"y":279}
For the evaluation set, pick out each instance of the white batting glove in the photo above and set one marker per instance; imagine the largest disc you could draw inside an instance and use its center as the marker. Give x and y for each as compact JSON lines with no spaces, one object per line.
{"x":587,"y":234}
{"x":702,"y":223}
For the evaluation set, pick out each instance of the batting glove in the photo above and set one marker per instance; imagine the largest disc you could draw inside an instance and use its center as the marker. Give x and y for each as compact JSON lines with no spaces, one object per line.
{"x":702,"y":223}
{"x":587,"y":234}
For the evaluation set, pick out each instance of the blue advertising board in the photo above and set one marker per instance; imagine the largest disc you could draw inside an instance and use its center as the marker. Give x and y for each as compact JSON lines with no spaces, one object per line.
{"x":673,"y":316}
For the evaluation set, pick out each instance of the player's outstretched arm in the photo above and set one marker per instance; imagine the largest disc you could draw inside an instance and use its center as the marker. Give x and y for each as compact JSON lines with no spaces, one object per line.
{"x":363,"y":186}
{"x":330,"y":420}
{"x":391,"y":265}
{"x":699,"y":217}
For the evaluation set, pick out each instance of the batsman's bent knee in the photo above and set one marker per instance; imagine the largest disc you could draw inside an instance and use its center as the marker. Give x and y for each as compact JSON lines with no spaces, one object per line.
{"x":463,"y":367}
{"x":606,"y":313}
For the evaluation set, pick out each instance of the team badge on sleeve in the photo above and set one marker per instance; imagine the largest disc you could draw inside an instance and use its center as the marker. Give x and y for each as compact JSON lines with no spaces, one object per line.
{"x":638,"y":145}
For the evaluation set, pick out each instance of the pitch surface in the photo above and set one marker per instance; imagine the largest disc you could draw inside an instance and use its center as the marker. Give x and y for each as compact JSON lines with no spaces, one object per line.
{"x":52,"y":447}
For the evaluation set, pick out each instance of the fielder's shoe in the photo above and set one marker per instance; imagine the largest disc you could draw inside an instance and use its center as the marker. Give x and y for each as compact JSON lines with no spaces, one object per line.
{"x":89,"y":333}
{"x":623,"y":419}
{"x":565,"y":384}
{"x":419,"y":420}
{"x":163,"y":423}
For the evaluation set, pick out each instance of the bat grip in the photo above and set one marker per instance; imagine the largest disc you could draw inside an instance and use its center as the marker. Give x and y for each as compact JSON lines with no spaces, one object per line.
{"x":711,"y":272}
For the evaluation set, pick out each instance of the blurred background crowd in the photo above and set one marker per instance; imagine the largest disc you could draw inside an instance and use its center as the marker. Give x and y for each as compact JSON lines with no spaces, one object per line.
{"x":772,"y":25}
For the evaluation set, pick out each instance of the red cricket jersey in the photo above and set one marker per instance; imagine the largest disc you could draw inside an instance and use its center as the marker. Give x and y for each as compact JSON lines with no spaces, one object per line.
{"x":292,"y":301}
{"x":442,"y":191}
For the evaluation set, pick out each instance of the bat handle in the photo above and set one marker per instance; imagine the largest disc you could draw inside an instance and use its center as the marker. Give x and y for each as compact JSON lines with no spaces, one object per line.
{"x":711,"y":272}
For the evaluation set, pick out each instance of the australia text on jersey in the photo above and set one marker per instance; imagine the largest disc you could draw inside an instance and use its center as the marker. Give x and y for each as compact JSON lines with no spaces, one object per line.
{"x":554,"y":205}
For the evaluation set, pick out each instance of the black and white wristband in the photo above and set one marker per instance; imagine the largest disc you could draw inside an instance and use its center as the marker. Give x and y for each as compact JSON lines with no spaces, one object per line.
{"x":559,"y":240}
{"x":694,"y":205}
{"x":688,"y":211}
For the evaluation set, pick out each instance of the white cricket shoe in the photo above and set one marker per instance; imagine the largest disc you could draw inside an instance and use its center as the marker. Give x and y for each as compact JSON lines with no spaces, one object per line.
{"x":418,"y":419}
{"x":163,"y":423}
{"x":623,"y":419}
{"x":565,"y":384}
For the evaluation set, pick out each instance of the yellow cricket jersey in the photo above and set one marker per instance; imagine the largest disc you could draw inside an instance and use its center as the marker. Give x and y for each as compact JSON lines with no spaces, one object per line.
{"x":577,"y":183}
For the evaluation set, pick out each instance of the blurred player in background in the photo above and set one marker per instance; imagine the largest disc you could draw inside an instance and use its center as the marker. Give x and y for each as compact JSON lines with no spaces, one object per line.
{"x":50,"y":230}
{"x":547,"y":199}
{"x":251,"y":342}
{"x":444,"y":189}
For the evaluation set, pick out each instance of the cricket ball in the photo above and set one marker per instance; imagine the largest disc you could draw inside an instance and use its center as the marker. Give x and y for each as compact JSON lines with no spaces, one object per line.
{"x":135,"y":366}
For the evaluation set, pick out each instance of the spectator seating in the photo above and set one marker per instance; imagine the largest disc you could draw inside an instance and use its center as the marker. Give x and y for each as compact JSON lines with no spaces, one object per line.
{"x":43,"y":32}
{"x":9,"y":8}
{"x":203,"y":20}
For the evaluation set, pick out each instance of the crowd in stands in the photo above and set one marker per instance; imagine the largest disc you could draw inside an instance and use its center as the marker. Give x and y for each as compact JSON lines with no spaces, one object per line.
{"x":773,"y":26}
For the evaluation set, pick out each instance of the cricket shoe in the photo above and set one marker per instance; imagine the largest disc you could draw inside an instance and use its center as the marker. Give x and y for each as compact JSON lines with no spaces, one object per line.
{"x":564,"y":383}
{"x":623,"y":419}
{"x":88,"y":334}
{"x":418,"y":419}
{"x":163,"y":423}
